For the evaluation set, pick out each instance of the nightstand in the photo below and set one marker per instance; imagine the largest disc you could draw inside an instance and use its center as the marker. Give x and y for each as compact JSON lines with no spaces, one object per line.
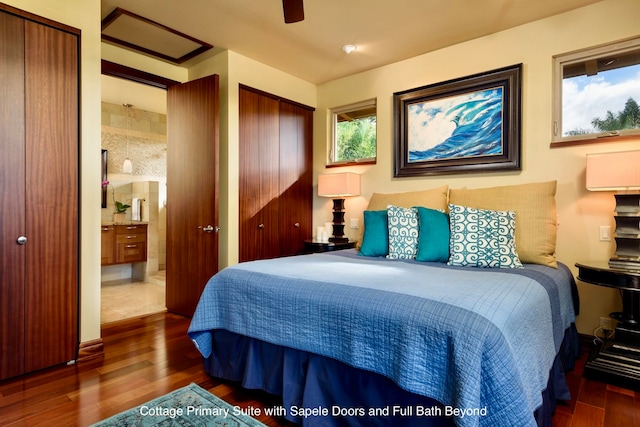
{"x":316,"y":246}
{"x":618,"y":361}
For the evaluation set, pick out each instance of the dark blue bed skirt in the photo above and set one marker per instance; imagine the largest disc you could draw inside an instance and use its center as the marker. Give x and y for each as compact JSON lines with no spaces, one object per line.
{"x":309,"y":383}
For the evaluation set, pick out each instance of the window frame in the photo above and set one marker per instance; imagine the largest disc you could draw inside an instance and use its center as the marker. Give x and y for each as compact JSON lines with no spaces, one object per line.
{"x":333,"y":125}
{"x":578,"y":56}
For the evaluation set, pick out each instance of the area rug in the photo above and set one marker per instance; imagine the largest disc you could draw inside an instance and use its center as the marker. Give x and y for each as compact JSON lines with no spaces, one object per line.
{"x":188,"y":406}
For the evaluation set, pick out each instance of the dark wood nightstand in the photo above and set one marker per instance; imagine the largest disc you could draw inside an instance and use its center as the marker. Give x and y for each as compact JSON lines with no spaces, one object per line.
{"x":616,"y":361}
{"x":316,"y":246}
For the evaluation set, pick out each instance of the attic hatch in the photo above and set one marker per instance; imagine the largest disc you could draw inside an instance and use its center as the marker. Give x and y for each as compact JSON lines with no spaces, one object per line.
{"x":138,"y":33}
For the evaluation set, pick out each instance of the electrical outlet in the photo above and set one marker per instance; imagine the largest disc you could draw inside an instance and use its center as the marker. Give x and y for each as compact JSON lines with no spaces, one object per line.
{"x":354,"y":223}
{"x":606,"y":323}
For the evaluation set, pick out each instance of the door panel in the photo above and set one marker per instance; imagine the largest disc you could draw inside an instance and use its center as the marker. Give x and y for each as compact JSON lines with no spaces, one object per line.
{"x":258,"y":181}
{"x":192,"y":191}
{"x":296,"y":180}
{"x":12,"y":190}
{"x":51,"y":67}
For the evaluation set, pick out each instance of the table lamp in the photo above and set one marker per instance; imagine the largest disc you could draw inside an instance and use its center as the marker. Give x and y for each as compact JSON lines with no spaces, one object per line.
{"x":620,"y":172}
{"x":338,"y":186}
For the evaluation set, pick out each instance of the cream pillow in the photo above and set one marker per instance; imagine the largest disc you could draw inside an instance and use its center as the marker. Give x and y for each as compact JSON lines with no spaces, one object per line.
{"x":536,"y":215}
{"x":435,"y":198}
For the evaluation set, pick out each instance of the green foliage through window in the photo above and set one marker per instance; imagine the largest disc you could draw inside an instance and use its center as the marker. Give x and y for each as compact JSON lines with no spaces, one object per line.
{"x":627,"y":118}
{"x":357,"y":139}
{"x":354,"y":133}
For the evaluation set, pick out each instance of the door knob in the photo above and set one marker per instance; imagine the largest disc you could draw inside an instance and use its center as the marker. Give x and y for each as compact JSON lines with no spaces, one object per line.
{"x":296,"y":225}
{"x":208,"y":229}
{"x":22,"y":240}
{"x":261,"y":226}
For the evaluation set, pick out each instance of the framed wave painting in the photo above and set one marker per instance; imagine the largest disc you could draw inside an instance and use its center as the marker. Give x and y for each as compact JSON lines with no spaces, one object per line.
{"x":470,"y":124}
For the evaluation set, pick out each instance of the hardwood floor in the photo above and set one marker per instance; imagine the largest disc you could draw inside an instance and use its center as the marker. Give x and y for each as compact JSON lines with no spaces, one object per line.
{"x":150,"y":356}
{"x":596,"y":404}
{"x":144,"y":358}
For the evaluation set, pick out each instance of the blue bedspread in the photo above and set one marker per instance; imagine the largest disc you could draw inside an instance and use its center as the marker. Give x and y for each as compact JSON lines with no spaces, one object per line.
{"x":470,"y":338}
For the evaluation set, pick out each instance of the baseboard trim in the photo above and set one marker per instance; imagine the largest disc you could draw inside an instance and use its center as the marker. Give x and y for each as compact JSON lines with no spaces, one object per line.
{"x":90,"y":350}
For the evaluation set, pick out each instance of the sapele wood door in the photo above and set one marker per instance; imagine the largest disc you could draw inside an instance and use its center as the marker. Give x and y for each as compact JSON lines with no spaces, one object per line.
{"x":38,"y":193}
{"x":295,"y":177}
{"x":192,"y":191}
{"x":12,"y":195}
{"x":259,"y":179}
{"x":275,"y":177}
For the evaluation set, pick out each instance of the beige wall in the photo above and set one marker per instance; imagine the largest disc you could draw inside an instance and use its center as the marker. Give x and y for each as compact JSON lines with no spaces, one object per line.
{"x":580,"y":212}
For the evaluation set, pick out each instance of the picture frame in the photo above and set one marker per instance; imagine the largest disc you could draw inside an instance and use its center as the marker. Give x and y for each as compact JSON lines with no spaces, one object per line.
{"x":103,"y":161}
{"x":469,"y":124}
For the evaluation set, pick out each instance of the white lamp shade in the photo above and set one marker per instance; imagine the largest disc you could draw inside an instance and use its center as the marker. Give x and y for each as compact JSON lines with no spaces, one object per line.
{"x":339,"y":185}
{"x":613,"y":171}
{"x":127,"y":166}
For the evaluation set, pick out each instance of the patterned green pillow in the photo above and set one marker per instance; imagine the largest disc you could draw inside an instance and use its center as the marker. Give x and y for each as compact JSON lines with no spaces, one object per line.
{"x":403,"y":232}
{"x":482,"y":238}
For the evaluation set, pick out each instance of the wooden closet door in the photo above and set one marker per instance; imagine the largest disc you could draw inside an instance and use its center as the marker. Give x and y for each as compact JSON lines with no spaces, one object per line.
{"x":12,"y":190}
{"x":296,"y":177}
{"x":38,"y":194}
{"x":259,"y":176}
{"x":52,"y":202}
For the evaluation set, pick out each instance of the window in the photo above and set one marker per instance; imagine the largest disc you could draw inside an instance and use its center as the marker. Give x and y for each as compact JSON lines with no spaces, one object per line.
{"x":353,"y":136}
{"x":597,"y":92}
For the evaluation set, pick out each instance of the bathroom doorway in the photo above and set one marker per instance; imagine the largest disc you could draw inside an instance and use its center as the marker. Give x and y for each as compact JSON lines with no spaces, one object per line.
{"x":136,"y":131}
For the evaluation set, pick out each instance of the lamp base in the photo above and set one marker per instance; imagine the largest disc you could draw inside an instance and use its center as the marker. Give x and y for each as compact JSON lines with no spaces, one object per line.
{"x":338,"y":222}
{"x":625,"y":264}
{"x":627,"y":232}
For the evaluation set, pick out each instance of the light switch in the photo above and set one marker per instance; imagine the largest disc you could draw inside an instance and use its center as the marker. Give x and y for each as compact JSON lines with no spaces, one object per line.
{"x":354,"y":223}
{"x":605,"y":233}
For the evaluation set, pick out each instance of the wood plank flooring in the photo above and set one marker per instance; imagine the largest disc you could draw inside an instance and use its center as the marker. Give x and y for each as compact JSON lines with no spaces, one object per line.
{"x":596,"y":404}
{"x":144,"y":358}
{"x":150,"y":356}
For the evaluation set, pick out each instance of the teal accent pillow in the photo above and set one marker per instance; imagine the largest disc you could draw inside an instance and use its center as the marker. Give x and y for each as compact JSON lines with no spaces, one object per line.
{"x":433,"y":240}
{"x":482,"y":238}
{"x":403,"y":232}
{"x":375,"y":240}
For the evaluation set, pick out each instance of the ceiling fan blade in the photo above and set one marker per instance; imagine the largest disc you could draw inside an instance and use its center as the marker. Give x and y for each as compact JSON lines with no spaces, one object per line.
{"x":293,"y":11}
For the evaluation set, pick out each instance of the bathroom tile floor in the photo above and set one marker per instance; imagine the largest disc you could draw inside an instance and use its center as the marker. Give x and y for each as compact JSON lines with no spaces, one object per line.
{"x":124,"y":299}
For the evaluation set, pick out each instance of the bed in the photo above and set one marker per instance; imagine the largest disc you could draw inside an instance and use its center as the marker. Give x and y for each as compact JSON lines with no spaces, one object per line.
{"x":347,"y":339}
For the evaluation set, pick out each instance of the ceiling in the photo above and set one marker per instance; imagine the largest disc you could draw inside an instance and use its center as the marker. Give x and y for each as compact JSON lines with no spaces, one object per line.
{"x":385,"y":31}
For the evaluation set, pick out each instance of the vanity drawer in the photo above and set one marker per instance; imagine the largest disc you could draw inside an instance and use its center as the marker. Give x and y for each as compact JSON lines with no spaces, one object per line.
{"x":131,"y":252}
{"x":131,"y":238}
{"x":131,"y":229}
